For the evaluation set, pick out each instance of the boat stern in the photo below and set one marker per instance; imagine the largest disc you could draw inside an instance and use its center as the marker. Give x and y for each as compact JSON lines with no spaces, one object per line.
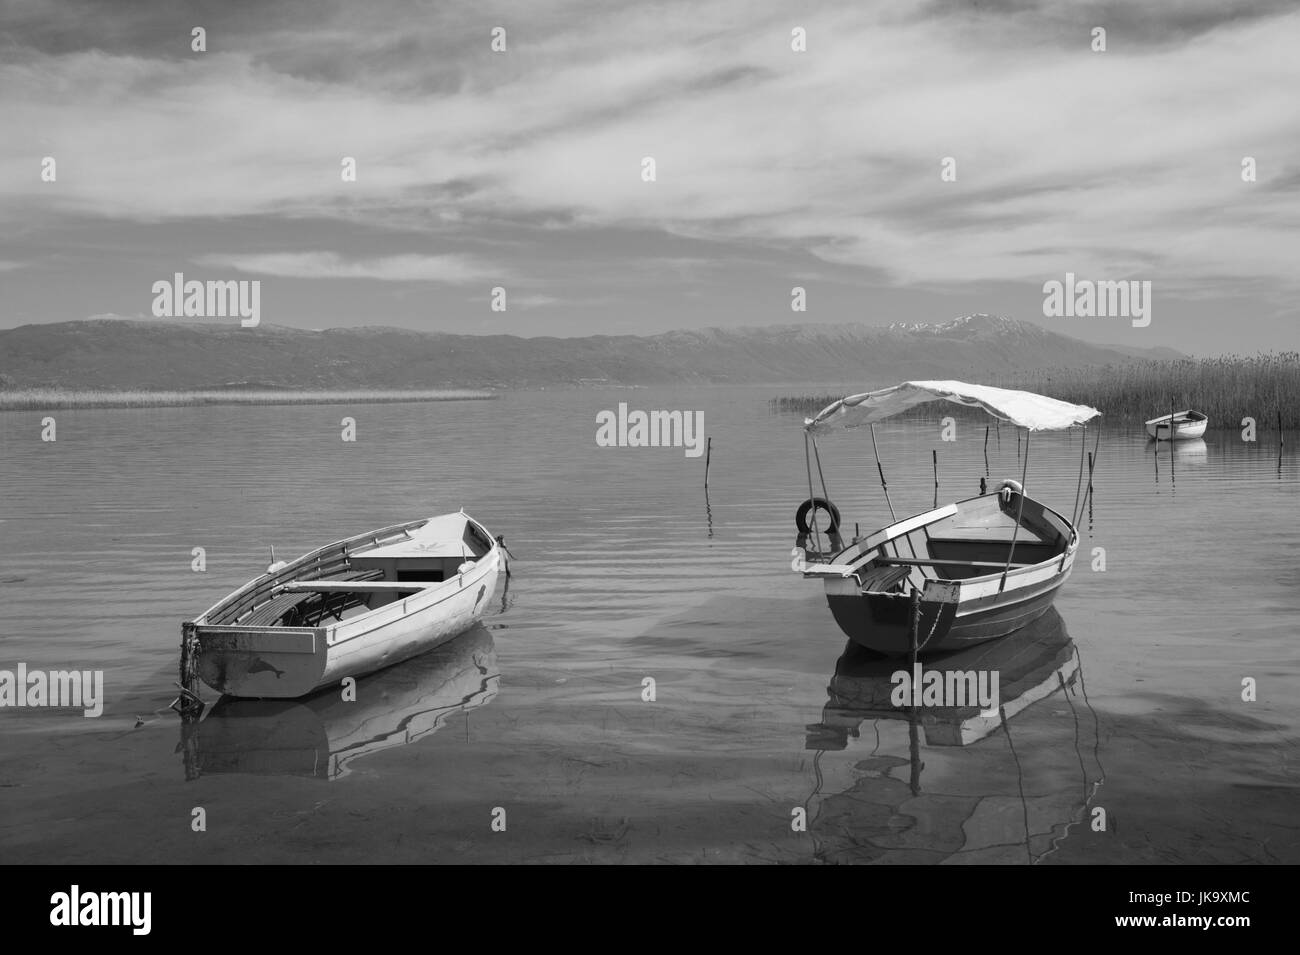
{"x":275,"y":662}
{"x":883,"y":621}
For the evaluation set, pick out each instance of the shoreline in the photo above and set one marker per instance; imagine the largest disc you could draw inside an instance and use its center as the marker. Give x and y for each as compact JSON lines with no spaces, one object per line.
{"x":39,"y":399}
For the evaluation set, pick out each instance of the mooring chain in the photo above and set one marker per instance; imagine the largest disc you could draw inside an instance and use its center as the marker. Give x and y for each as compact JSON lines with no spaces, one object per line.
{"x":933,"y":628}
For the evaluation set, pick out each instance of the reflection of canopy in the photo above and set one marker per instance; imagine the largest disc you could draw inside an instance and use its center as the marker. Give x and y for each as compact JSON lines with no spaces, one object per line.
{"x":1035,"y":412}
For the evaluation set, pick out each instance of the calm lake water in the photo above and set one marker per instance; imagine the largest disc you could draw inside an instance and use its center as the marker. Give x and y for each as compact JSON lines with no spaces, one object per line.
{"x":625,"y":571}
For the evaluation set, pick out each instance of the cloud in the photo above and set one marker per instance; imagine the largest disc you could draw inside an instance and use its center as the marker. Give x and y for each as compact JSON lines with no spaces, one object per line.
{"x":532,"y":301}
{"x":9,"y":266}
{"x":451,"y":269}
{"x":1124,"y":163}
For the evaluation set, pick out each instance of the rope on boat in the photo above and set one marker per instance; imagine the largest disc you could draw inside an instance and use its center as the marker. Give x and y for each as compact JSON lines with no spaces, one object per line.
{"x":933,"y":628}
{"x":501,"y":542}
{"x":879,"y":468}
{"x":1020,"y":513}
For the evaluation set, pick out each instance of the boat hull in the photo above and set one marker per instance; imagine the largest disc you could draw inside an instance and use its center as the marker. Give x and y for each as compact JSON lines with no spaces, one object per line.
{"x":266,"y":664}
{"x":881,"y":622}
{"x":287,"y":662}
{"x":958,"y":561}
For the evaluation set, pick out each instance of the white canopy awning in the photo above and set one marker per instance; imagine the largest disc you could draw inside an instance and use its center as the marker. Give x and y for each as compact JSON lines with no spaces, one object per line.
{"x":1028,"y":410}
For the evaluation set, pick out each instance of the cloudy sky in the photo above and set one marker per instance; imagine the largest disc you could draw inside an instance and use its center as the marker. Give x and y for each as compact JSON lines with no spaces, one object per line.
{"x":775,"y":168}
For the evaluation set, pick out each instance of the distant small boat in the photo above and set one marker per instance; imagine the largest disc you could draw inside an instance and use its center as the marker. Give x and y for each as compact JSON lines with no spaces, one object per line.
{"x":1187,"y":425}
{"x":347,"y":609}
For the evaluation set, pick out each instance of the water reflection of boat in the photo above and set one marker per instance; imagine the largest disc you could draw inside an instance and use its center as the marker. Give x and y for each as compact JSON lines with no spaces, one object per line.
{"x":1031,"y":663}
{"x":321,"y":735}
{"x":1192,"y":451}
{"x":980,"y":803}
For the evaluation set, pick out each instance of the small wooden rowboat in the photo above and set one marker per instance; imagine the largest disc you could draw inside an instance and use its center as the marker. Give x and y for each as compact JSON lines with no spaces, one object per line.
{"x":350,"y":608}
{"x":1187,"y":425}
{"x":953,"y":576}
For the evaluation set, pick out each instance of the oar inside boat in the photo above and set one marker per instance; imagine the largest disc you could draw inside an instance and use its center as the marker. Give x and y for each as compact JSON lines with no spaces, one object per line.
{"x":982,"y":567}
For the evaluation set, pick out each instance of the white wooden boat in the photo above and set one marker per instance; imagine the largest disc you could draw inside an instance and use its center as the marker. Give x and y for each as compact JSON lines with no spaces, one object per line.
{"x":953,"y":576}
{"x":346,"y":609}
{"x":1187,"y":426}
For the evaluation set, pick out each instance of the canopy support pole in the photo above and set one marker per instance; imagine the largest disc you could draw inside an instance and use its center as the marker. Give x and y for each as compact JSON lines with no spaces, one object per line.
{"x":883,"y":483}
{"x":818,"y":458}
{"x":817,"y":537}
{"x":1020,"y":512}
{"x":1078,"y":489}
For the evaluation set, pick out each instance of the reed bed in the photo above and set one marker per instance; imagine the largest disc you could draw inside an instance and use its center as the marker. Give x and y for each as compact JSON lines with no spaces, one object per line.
{"x":40,"y":399}
{"x":1265,"y":387}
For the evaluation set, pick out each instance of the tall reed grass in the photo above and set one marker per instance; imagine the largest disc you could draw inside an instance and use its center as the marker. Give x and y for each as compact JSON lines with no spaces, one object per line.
{"x":1265,"y":387}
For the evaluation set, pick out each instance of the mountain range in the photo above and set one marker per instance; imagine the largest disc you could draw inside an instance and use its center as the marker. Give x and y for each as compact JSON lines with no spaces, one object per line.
{"x":117,"y":354}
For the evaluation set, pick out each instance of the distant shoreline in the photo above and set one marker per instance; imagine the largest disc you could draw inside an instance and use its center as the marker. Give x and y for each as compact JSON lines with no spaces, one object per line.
{"x":39,"y":399}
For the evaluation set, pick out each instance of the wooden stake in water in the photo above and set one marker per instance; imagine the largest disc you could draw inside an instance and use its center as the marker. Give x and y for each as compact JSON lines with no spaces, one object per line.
{"x":915,"y":626}
{"x":1091,"y":459}
{"x":934,"y":454}
{"x":1171,"y":446}
{"x":708,"y":453}
{"x":1279,"y":442}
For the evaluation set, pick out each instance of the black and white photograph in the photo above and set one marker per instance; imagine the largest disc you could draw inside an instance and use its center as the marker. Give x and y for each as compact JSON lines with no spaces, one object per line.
{"x":680,"y":432}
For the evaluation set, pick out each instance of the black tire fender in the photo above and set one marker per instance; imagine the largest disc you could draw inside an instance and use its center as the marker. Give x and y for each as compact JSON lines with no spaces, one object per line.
{"x":801,"y":515}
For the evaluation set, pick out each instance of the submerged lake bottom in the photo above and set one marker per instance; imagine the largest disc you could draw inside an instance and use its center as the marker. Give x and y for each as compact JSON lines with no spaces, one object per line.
{"x":655,"y":684}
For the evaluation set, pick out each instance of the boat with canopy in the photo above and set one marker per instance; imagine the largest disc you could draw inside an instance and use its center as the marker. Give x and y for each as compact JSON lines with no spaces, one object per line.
{"x":953,"y":576}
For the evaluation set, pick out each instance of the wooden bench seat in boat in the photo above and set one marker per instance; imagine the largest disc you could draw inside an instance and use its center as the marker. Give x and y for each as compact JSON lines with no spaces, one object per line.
{"x":958,"y":551}
{"x":355,"y":586}
{"x":881,"y":579}
{"x":934,"y":562}
{"x":274,"y":609}
{"x":873,"y":577}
